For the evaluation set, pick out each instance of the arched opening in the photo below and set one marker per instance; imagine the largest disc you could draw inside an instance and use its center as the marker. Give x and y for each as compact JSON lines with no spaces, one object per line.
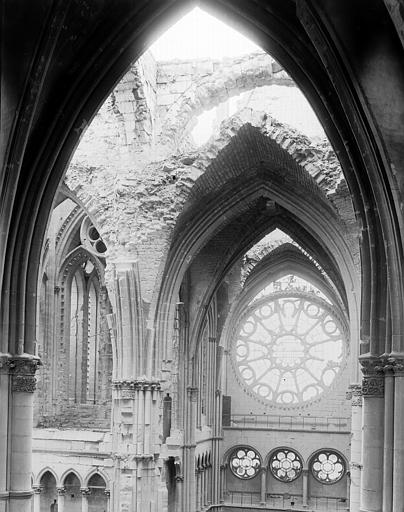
{"x":176,"y":310}
{"x":72,"y":497}
{"x":48,"y":497}
{"x":98,"y":494}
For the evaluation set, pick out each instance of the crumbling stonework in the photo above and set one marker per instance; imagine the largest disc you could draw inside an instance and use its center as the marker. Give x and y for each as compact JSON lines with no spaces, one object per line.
{"x":178,"y":221}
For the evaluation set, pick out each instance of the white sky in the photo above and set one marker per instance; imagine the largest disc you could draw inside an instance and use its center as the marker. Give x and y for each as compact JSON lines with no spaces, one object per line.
{"x":199,"y":35}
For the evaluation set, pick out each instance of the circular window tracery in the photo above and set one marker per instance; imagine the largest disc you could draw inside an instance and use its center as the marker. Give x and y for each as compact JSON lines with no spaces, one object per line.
{"x":91,"y":239}
{"x":245,"y":463}
{"x":289,"y":348}
{"x":328,"y":467}
{"x":285,"y":465}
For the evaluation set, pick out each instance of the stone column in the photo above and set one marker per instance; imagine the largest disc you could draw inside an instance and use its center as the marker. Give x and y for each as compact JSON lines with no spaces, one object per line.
{"x":21,"y":370}
{"x":355,"y":395}
{"x":398,"y":440}
{"x":263,"y":486}
{"x":305,"y":483}
{"x":179,"y":480}
{"x":373,"y":435}
{"x":61,"y":499}
{"x":107,"y":493}
{"x":388,"y":438}
{"x":223,"y":483}
{"x":198,"y":490}
{"x":37,"y":498}
{"x":85,"y":491}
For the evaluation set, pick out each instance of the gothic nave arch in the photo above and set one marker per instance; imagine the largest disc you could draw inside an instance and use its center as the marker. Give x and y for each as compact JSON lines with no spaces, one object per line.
{"x":280,"y":24}
{"x":46,"y":108}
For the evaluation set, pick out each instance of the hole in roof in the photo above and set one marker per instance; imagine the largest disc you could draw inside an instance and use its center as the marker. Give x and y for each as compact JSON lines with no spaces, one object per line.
{"x":206,"y":37}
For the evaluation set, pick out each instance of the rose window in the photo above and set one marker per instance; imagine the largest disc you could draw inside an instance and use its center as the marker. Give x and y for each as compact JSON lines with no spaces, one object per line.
{"x":289,"y":348}
{"x":285,"y":465}
{"x":245,"y":463}
{"x":328,"y":467}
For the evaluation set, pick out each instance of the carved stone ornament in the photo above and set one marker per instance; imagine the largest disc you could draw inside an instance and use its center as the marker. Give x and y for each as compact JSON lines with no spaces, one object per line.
{"x":22,"y":371}
{"x":395,"y":365}
{"x":85,"y":491}
{"x":131,"y":385}
{"x":372,"y":366}
{"x":373,"y":386}
{"x":24,"y":383}
{"x":355,"y":395}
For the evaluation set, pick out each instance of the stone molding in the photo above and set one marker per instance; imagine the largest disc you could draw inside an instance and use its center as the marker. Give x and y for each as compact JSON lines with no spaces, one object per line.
{"x":128,"y":387}
{"x":22,"y":370}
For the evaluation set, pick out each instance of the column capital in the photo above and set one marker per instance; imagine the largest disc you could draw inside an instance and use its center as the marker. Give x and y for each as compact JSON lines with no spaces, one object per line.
{"x":373,"y":376}
{"x":354,"y":394}
{"x":61,"y":491}
{"x":85,"y":491}
{"x":395,"y":365}
{"x":37,"y":489}
{"x":107,"y":493}
{"x":372,"y":365}
{"x":128,"y":387}
{"x":22,"y":370}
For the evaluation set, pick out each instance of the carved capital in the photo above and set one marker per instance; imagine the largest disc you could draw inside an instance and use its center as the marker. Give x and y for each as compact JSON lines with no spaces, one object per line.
{"x":129,"y":387}
{"x":85,"y":491}
{"x":61,"y":491}
{"x":373,"y":386}
{"x":107,"y":493}
{"x":395,"y":365}
{"x":37,"y":489}
{"x":372,"y":365}
{"x":354,"y":394}
{"x":22,"y":371}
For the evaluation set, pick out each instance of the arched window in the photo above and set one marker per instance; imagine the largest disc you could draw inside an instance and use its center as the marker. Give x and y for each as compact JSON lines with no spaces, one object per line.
{"x":84,"y":333}
{"x":92,"y":343}
{"x":76,"y":336}
{"x":98,"y":494}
